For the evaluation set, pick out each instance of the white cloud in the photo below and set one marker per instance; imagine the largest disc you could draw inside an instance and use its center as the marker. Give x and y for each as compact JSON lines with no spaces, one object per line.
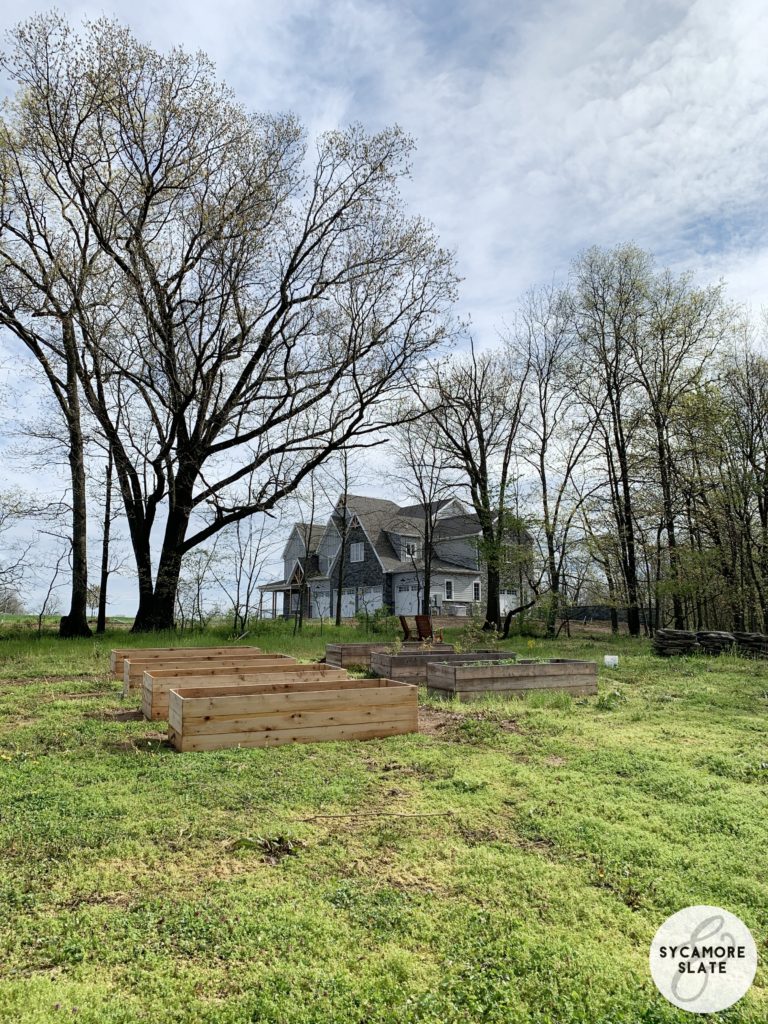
{"x":542,"y":127}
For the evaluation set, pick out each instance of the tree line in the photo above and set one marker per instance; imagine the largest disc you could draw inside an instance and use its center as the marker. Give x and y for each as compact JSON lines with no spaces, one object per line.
{"x":218,"y":307}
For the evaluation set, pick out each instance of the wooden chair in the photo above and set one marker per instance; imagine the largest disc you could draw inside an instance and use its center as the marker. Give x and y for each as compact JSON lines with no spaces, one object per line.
{"x":425,"y":630}
{"x":406,"y":628}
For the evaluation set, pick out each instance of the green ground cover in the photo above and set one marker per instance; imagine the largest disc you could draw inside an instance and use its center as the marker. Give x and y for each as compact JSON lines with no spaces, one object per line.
{"x":509,"y":864}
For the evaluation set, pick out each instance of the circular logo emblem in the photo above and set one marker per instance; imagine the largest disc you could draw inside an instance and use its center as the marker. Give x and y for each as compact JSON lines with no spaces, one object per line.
{"x":703,"y":959}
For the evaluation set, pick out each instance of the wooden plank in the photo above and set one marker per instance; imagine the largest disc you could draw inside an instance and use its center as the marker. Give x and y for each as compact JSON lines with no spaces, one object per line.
{"x":366,"y":731}
{"x":194,"y":668}
{"x":499,"y":685}
{"x":337,"y":679}
{"x":575,"y":690}
{"x":118,"y":654}
{"x":133,"y":671}
{"x":139,"y":664}
{"x":235,"y":705}
{"x":155,"y":691}
{"x":296,"y":720}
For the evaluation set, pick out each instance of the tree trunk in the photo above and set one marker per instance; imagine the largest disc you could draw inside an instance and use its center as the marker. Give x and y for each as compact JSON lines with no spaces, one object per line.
{"x":492,"y":598}
{"x":75,"y":622}
{"x":101,"y":620}
{"x":157,"y":609}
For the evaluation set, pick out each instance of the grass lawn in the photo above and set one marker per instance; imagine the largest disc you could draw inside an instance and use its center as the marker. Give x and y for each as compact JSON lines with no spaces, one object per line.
{"x":541,"y":844}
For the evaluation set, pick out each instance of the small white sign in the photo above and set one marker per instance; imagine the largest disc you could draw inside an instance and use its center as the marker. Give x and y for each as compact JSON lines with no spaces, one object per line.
{"x":703,"y":959}
{"x":611,"y":661}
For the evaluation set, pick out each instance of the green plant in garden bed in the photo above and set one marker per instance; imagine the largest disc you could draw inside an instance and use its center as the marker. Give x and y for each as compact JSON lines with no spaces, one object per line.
{"x":508,"y":864}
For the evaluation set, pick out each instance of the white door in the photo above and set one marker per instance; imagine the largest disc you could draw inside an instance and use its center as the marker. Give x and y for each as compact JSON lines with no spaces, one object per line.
{"x":321,"y":604}
{"x":406,"y":599}
{"x":371,"y":598}
{"x":347,"y":604}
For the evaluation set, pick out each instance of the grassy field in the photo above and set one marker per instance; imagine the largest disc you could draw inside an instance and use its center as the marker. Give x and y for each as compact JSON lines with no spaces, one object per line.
{"x":510,"y":863}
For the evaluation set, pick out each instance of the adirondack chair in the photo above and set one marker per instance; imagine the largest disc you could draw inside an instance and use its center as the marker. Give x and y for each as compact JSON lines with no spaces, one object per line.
{"x":406,"y":628}
{"x":425,"y":630}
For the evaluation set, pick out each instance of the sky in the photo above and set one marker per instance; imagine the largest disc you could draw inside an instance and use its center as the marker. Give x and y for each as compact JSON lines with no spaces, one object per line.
{"x":541,"y":128}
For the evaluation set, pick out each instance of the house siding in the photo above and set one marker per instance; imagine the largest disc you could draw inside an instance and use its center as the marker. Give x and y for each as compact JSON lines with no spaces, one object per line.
{"x":328,"y":547}
{"x":463,"y":551}
{"x":359,"y":577}
{"x":294,"y":552}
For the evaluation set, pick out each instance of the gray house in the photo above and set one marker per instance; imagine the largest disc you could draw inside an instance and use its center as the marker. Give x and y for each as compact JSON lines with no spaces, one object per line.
{"x":383,"y":563}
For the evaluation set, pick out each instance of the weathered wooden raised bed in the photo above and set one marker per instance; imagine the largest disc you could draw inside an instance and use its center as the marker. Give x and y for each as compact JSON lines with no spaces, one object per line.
{"x":470,"y":682}
{"x":411,"y":667}
{"x":345,"y":655}
{"x":265,"y":716}
{"x":118,"y":655}
{"x":156,"y":688}
{"x":133,"y":670}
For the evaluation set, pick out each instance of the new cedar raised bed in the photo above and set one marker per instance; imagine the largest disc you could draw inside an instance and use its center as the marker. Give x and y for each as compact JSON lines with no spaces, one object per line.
{"x":133,"y":670}
{"x":411,"y":667}
{"x":118,"y":655}
{"x":265,"y":716}
{"x":472,"y":681}
{"x":345,"y":655}
{"x":156,"y":688}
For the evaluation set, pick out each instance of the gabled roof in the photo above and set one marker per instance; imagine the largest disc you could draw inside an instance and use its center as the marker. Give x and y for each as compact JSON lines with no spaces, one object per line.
{"x":382,"y":519}
{"x":310,"y":534}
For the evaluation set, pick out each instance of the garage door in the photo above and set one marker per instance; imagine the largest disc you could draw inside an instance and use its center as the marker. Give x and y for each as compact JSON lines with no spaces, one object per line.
{"x":407,"y":599}
{"x":321,"y":604}
{"x":371,"y":598}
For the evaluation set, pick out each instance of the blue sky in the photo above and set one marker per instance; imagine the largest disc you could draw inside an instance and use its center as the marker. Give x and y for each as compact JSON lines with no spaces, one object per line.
{"x":542,"y":128}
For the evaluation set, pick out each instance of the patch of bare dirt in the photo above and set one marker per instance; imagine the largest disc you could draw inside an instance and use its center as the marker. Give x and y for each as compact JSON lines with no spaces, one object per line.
{"x":138,"y":744}
{"x":117,"y":715}
{"x":42,"y":680}
{"x":511,"y":725}
{"x":434,"y":722}
{"x":555,"y":761}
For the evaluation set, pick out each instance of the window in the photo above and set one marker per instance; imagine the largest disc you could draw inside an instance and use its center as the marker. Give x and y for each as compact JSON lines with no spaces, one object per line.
{"x":476,"y":591}
{"x":410,"y":547}
{"x":449,"y":590}
{"x":357,"y":552}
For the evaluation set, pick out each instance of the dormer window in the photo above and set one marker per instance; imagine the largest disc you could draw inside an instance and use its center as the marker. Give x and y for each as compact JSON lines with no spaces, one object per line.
{"x":410,"y":548}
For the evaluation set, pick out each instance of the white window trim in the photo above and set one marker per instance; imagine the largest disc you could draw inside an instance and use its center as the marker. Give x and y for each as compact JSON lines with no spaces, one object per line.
{"x":357,"y":548}
{"x":446,"y":585}
{"x":477,"y":588}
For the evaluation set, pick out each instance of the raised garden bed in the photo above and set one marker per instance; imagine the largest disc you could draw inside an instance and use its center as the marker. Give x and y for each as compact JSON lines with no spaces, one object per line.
{"x":118,"y":655}
{"x":133,"y":671}
{"x":411,"y":666}
{"x":345,"y":655}
{"x":268,"y":715}
{"x":471,"y":681}
{"x":156,"y":688}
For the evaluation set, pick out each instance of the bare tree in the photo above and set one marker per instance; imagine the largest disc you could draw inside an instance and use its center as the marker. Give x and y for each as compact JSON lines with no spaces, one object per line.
{"x":254,"y":316}
{"x":423,"y":472}
{"x":609,"y":306}
{"x":477,"y":403}
{"x":14,"y":556}
{"x":556,"y":434}
{"x":243,"y":550}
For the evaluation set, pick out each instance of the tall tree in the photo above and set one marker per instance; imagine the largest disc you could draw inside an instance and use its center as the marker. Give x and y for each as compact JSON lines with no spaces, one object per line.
{"x":422,"y":472}
{"x":477,"y":402}
{"x":609,"y":304}
{"x":556,"y":433}
{"x":671,"y":348}
{"x":254,"y":314}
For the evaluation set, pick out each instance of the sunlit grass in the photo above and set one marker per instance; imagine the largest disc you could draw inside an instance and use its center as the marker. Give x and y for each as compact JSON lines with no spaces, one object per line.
{"x":545,"y":841}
